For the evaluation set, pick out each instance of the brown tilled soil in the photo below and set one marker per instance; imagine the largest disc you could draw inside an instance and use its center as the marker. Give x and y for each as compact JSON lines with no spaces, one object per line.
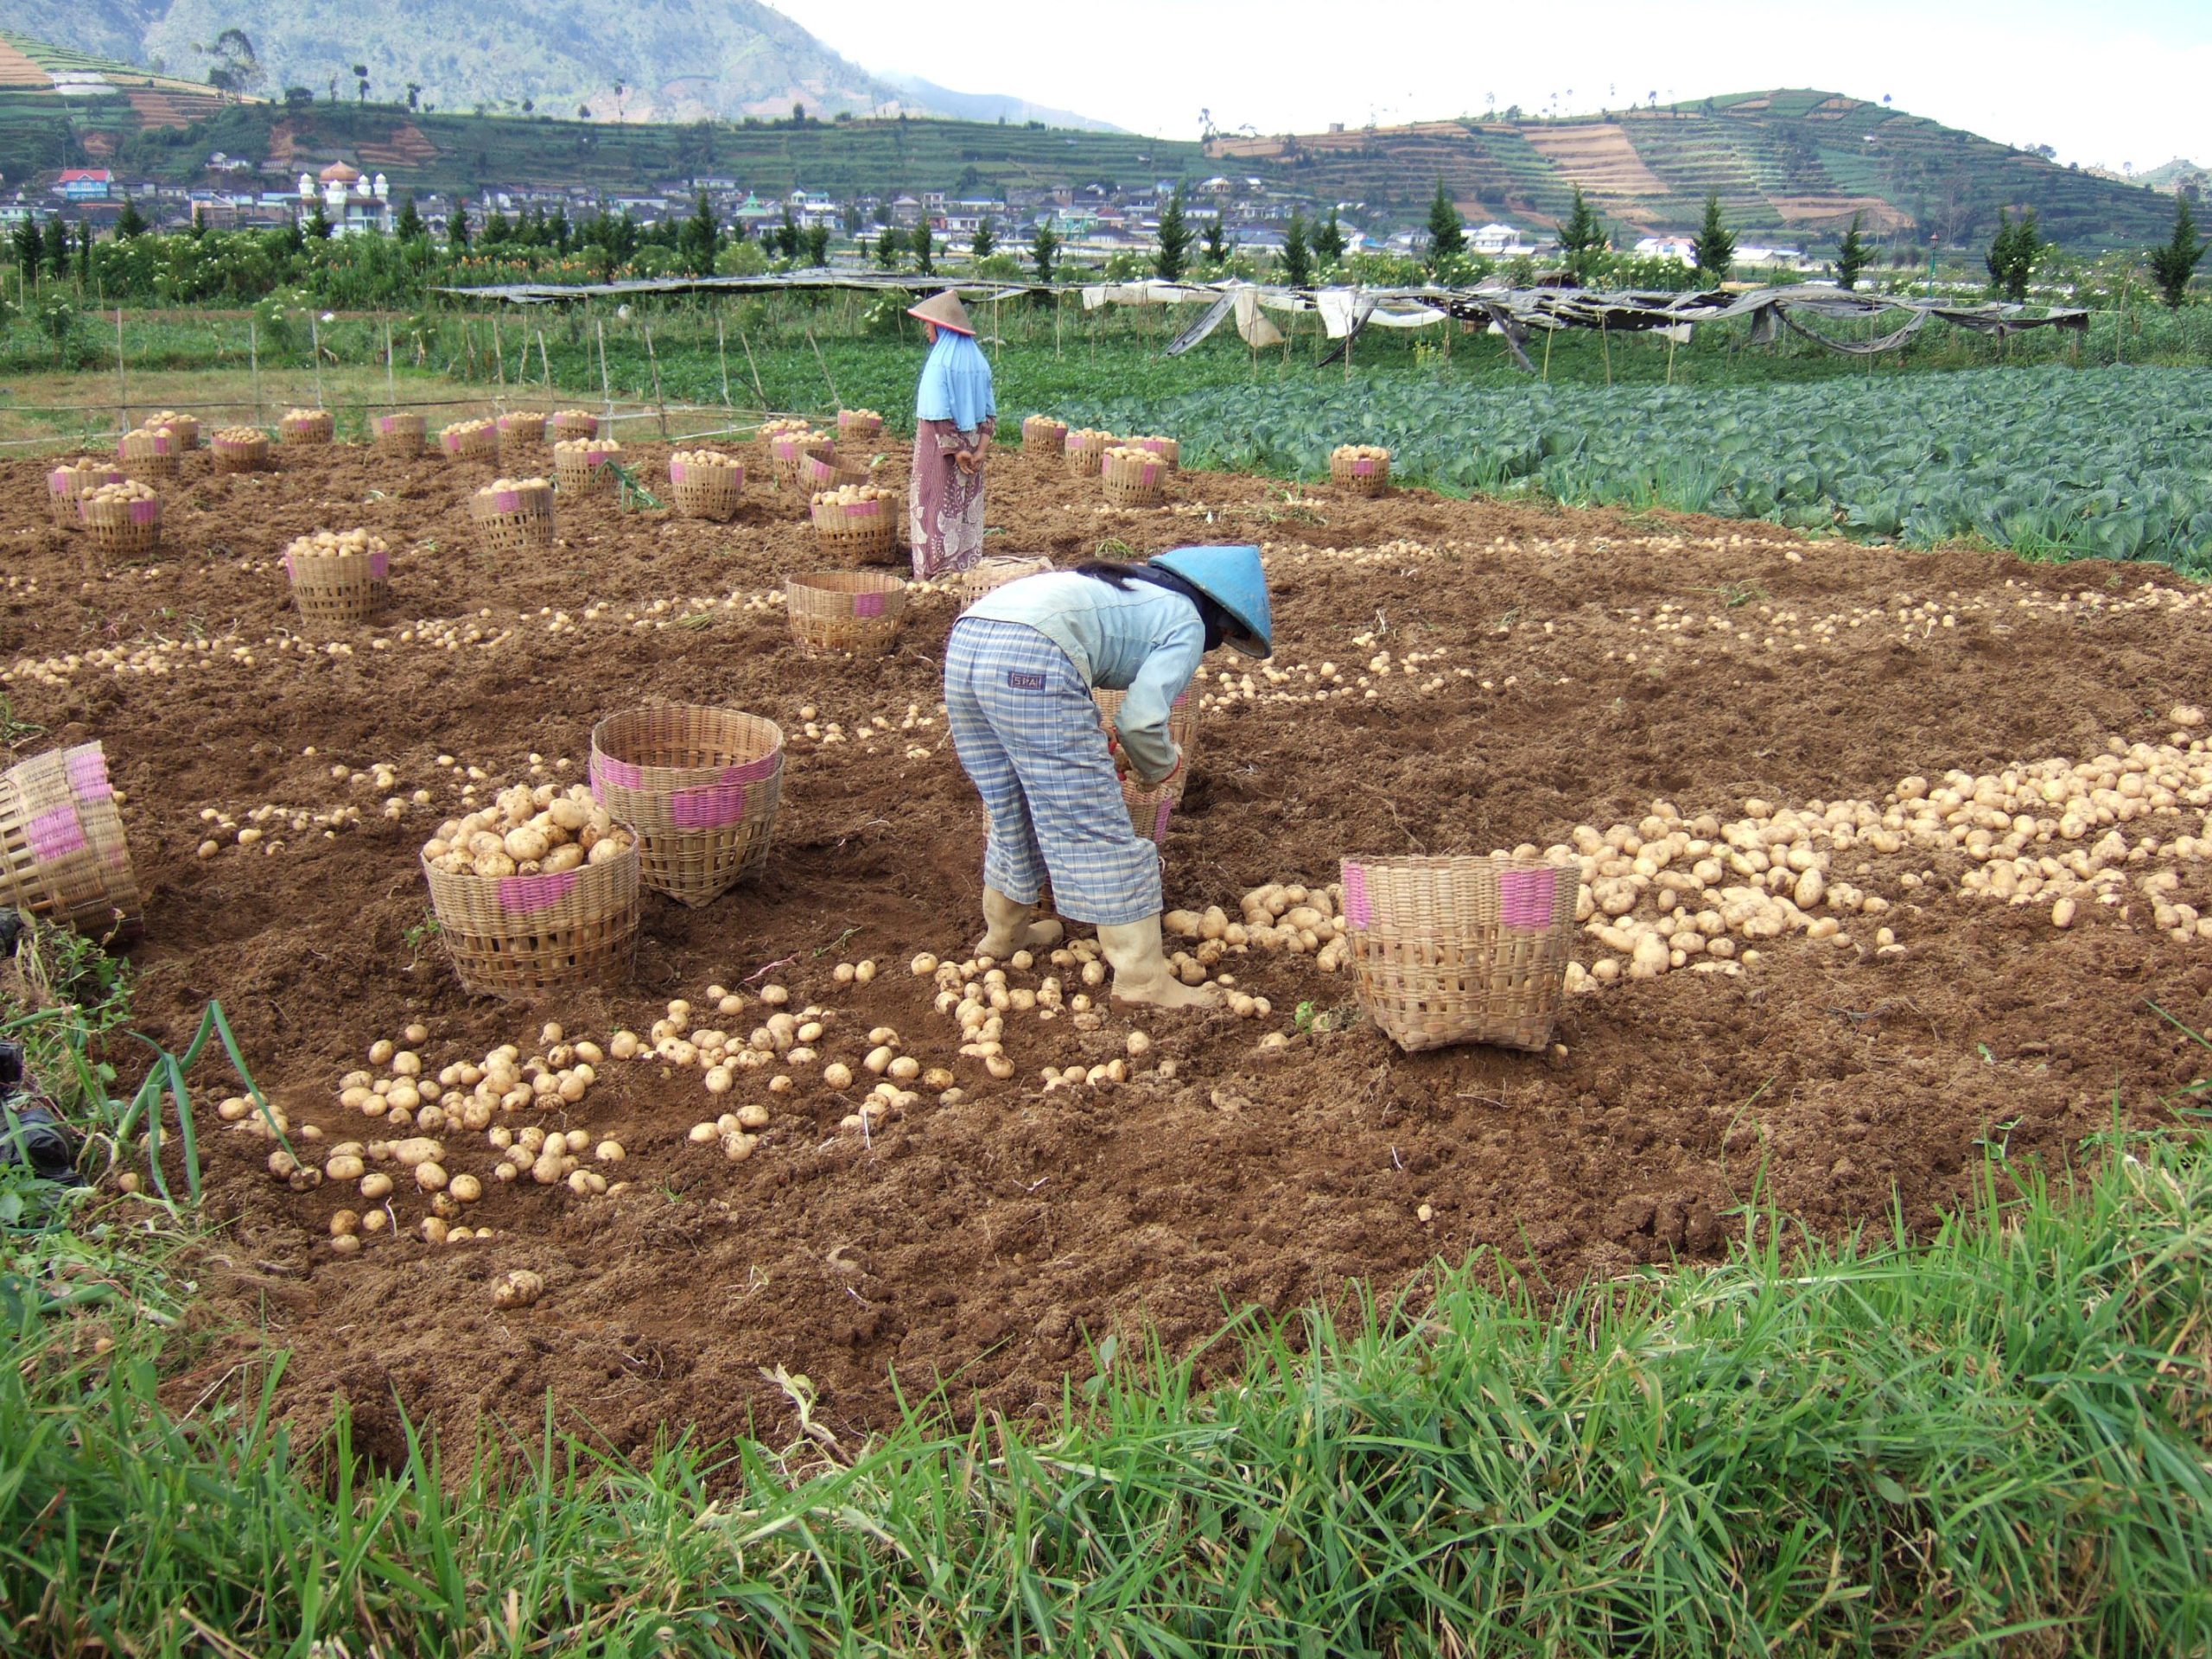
{"x":976,"y":1248}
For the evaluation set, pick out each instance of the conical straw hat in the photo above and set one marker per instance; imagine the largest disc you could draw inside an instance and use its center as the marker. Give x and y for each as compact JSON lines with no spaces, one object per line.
{"x":945,"y":310}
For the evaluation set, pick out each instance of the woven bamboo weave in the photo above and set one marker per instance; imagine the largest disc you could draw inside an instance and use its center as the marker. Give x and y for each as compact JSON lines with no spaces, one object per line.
{"x":1461,"y":950}
{"x":1086,"y":453}
{"x":513,"y":521}
{"x":712,"y":493}
{"x":828,"y":471}
{"x":310,"y":429}
{"x":1044,"y":437}
{"x":469,"y":442}
{"x":184,"y":429}
{"x":788,"y":452}
{"x":121,"y":529}
{"x":699,"y":785}
{"x":151,"y":453}
{"x":858,"y":426}
{"x":62,"y":852}
{"x":986,"y":574}
{"x":335,"y":589}
{"x":845,"y":610}
{"x":511,"y":936}
{"x":1133,"y":482}
{"x":1361,"y":474}
{"x":521,"y":426}
{"x":570,"y":424}
{"x":398,"y":434}
{"x":1151,"y":808}
{"x":1168,"y":449}
{"x":66,"y":483}
{"x":865,"y":530}
{"x":578,"y":467}
{"x":240,"y":454}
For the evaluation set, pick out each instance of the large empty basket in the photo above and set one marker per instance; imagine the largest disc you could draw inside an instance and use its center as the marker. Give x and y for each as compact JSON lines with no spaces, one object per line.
{"x":699,"y":785}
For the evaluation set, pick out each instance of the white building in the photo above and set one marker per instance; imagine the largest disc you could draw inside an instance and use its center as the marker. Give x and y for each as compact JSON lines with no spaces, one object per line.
{"x":351,"y":202}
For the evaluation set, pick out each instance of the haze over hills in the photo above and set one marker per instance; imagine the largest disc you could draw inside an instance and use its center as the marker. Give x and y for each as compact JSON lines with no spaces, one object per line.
{"x":989,"y":106}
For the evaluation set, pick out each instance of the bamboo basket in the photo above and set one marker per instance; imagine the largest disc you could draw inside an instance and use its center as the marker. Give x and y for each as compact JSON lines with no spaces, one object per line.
{"x":309,"y":427}
{"x":845,"y":610}
{"x":713,"y":493}
{"x":1086,"y":453}
{"x":513,"y":521}
{"x":239,"y":455}
{"x":1461,"y":950}
{"x":1044,"y":437}
{"x":826,"y":471}
{"x":699,"y":785}
{"x":859,"y":426}
{"x":338,"y":589}
{"x":400,"y":434}
{"x":184,"y":429}
{"x":866,"y":530}
{"x":467,"y":441}
{"x":581,"y":471}
{"x":63,"y":854}
{"x":1361,"y":474}
{"x":567,"y":424}
{"x":149,"y":453}
{"x":1131,"y":482}
{"x":66,"y":483}
{"x":511,"y":936}
{"x":121,"y":529}
{"x":1150,"y":809}
{"x":986,"y":574}
{"x":1168,"y":449}
{"x":521,"y":426}
{"x":789,"y":451}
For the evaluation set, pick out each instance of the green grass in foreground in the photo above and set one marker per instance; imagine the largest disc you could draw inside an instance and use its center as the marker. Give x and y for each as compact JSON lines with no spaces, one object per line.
{"x":1994,"y":1440}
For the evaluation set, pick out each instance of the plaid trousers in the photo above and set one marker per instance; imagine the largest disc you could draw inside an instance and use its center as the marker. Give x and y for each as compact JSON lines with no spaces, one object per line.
{"x":1029,"y":734}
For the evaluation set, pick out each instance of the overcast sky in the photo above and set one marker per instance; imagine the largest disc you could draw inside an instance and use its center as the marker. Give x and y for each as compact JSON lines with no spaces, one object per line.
{"x":2107,"y":83}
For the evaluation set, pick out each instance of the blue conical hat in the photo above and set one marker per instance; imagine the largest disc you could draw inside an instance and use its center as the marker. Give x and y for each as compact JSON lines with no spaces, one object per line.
{"x":1232,"y":578}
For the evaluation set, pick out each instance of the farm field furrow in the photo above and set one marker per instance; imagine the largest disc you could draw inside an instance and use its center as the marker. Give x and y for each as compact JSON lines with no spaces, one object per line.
{"x":1451,"y":675}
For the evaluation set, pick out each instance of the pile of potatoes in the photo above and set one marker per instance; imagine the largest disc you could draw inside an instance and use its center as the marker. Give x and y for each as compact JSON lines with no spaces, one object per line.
{"x":771,"y":431}
{"x":464,"y":429}
{"x":502,"y":486}
{"x":851,"y":495}
{"x":129,"y":489}
{"x":581,"y":449}
{"x":573,"y":415}
{"x":303,"y":415}
{"x":1278,"y":916}
{"x":1348,"y":452}
{"x":238,"y":434}
{"x":416,"y":1161}
{"x":335,"y":544}
{"x":980,"y":995}
{"x":705,"y":458}
{"x":528,"y":831}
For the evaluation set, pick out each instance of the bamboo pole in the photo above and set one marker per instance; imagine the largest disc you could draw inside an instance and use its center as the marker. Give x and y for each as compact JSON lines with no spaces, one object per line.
{"x":315,"y":346}
{"x":824,"y":362}
{"x":606,"y":390}
{"x":122,"y":384}
{"x":390,"y":382}
{"x":253,"y":357}
{"x":758,"y":389}
{"x":500,"y":365}
{"x":546,"y":367}
{"x":721,"y":355}
{"x":653,"y":357}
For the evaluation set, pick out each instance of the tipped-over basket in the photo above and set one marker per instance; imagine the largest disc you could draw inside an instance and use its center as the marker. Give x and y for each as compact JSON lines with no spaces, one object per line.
{"x":336,"y":589}
{"x":398,"y":432}
{"x":829,"y":470}
{"x":699,"y":785}
{"x":307,"y":426}
{"x":514,"y":935}
{"x":516,"y":520}
{"x":707,"y":490}
{"x":1151,"y":807}
{"x":789,"y":451}
{"x":845,"y":610}
{"x":980,"y":577}
{"x":1461,"y":950}
{"x":66,"y":482}
{"x":62,"y":852}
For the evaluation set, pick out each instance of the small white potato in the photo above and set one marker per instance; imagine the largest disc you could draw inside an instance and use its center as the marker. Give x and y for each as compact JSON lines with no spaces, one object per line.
{"x":608,"y":1151}
{"x":838,"y":1075}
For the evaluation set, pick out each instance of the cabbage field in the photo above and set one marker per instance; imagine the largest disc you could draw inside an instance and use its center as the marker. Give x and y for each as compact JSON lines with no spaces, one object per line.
{"x":2108,"y":463}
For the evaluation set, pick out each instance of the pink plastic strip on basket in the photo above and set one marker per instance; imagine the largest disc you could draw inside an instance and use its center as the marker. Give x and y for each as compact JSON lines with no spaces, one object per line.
{"x":1358,"y":912}
{"x":506,"y":500}
{"x":87,"y":768}
{"x":380,"y":567}
{"x":864,"y":510}
{"x":1525,"y":898}
{"x":711,"y":806}
{"x":868,"y":604}
{"x":145,"y":513}
{"x":521,"y":895}
{"x":678,"y":472}
{"x":58,"y":482}
{"x":605,"y":768}
{"x":52,"y":834}
{"x":1159,"y":819}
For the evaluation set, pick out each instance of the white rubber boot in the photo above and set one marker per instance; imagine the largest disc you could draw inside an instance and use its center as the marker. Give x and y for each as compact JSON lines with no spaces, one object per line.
{"x":1007,"y":928}
{"x":1141,"y":970}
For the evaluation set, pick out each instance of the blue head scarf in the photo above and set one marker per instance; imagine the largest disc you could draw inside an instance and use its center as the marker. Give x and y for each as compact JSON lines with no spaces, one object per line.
{"x":956,"y":384}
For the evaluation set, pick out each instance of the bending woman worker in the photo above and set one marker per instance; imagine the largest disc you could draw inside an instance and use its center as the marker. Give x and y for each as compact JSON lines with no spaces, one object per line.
{"x":954,"y":416}
{"x":1018,"y":678}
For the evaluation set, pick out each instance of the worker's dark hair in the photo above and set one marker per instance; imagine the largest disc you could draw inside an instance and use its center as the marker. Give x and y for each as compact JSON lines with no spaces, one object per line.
{"x":1117,"y":573}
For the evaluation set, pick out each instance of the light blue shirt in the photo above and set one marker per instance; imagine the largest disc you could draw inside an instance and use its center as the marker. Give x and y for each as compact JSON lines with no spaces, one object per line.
{"x":1144,"y":640}
{"x":956,"y":384}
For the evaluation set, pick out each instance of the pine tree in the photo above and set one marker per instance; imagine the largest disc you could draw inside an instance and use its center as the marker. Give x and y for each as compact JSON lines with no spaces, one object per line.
{"x":1216,"y":243}
{"x":1582,"y":239}
{"x":457,"y":228}
{"x":559,"y":231}
{"x":1853,"y":256}
{"x":702,"y":238}
{"x":1297,"y":255}
{"x":887,"y":248}
{"x":84,"y":255}
{"x":1044,"y":250}
{"x":291,"y":238}
{"x":2174,"y":264}
{"x":496,"y":229}
{"x":57,"y":249}
{"x":986,"y":240}
{"x":1447,"y":237}
{"x":1175,"y":240}
{"x":131,"y":222}
{"x":408,"y":227}
{"x":28,"y":245}
{"x":1329,"y":240}
{"x":787,"y":235}
{"x":1716,"y":244}
{"x":817,"y":244}
{"x":2014,"y":254}
{"x":925,"y":250}
{"x":318,"y":225}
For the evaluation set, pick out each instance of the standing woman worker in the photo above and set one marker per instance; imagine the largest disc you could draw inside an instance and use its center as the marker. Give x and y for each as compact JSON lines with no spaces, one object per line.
{"x":954,"y":416}
{"x":1019,"y":673}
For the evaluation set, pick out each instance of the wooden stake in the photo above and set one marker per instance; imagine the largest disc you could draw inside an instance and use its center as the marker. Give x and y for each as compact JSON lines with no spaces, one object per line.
{"x":499,"y":364}
{"x":390,"y":385}
{"x":758,"y":391}
{"x":653,"y":357}
{"x":1606,"y":345}
{"x":122,"y":385}
{"x":1549,"y":333}
{"x":721,"y":355}
{"x":253,"y":356}
{"x":546,"y":368}
{"x":1059,"y":296}
{"x":605,"y":390}
{"x":824,"y":362}
{"x":315,"y":346}
{"x":1670,"y":351}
